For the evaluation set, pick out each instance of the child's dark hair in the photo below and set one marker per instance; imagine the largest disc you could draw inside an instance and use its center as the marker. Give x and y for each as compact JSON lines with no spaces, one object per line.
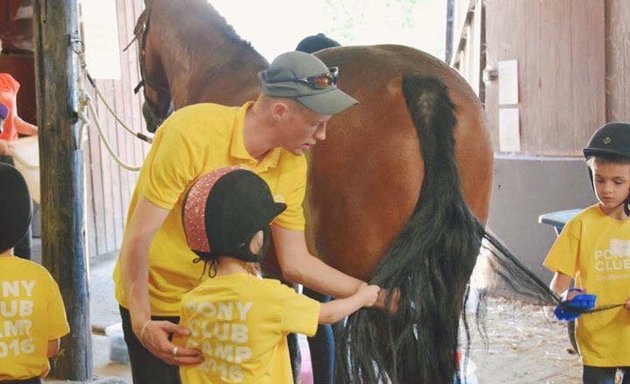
{"x":15,"y":207}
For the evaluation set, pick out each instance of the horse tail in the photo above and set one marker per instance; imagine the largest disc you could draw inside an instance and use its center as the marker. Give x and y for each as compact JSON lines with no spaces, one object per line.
{"x":429,"y":263}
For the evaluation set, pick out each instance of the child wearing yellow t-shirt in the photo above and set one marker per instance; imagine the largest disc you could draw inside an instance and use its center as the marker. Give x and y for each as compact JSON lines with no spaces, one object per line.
{"x":32,"y":314}
{"x":238,"y":319}
{"x":594,"y":249}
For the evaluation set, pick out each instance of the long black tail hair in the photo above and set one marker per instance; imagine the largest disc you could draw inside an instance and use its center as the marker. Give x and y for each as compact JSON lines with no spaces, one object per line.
{"x":430,"y":264}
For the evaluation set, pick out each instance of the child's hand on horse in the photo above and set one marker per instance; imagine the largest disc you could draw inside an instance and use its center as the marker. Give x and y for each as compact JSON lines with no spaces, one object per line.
{"x":368,"y":294}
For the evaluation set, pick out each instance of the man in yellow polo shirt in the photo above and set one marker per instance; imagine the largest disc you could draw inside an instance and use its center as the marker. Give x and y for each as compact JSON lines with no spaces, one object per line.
{"x":269,"y":136}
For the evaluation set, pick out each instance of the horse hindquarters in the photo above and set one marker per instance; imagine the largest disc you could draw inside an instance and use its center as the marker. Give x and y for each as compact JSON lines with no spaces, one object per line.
{"x":430,"y":263}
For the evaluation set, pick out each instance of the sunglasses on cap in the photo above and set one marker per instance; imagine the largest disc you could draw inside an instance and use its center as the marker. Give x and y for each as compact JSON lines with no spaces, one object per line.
{"x":322,"y":81}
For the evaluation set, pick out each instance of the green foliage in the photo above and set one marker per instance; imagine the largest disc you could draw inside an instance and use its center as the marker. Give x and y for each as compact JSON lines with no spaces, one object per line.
{"x":351,"y":15}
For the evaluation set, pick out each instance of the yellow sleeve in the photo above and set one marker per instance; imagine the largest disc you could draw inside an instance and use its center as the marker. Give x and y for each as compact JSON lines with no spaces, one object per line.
{"x":300,"y":314}
{"x":564,"y":254}
{"x":58,"y":323}
{"x":169,"y":167}
{"x":293,"y":217}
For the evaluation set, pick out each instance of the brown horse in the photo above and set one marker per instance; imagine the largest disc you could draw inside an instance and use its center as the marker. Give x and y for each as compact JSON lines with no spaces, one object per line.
{"x":397,"y":192}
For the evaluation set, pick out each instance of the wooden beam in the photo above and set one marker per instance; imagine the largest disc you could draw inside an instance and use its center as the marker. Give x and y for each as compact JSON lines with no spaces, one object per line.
{"x":459,"y":30}
{"x":61,"y":161}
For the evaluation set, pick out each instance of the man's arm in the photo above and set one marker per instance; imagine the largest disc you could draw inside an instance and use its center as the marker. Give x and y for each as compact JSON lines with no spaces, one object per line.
{"x":299,"y":266}
{"x":145,"y":221}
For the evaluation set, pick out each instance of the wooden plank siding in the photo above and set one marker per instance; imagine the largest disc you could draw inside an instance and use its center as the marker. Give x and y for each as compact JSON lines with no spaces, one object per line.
{"x":109,"y":185}
{"x":469,"y":57}
{"x":617,"y":60}
{"x":560,"y":49}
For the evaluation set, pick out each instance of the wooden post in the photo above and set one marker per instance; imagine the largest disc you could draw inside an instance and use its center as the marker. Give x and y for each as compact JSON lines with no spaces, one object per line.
{"x":450,"y":21}
{"x":61,"y":163}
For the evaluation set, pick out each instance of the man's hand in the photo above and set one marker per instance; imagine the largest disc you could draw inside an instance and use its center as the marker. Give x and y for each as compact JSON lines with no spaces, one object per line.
{"x":627,"y":305}
{"x":155,"y":338}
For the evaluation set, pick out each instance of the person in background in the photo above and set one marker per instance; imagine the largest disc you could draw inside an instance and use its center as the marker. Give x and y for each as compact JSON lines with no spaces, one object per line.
{"x":32,"y":313}
{"x":594,"y":250}
{"x":13,"y":125}
{"x":316,"y":43}
{"x":226,"y":216}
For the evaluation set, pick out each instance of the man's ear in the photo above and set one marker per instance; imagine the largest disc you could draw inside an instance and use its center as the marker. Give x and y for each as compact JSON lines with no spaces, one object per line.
{"x":279,"y":109}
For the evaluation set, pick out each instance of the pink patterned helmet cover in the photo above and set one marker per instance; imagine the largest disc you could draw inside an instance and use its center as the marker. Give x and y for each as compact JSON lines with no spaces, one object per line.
{"x":194,"y":211}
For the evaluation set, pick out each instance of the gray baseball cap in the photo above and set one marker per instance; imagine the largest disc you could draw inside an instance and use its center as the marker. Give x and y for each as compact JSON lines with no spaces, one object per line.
{"x":305,"y":78}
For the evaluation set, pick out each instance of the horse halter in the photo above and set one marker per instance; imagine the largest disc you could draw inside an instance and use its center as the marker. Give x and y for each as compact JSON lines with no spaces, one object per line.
{"x":154,"y":113}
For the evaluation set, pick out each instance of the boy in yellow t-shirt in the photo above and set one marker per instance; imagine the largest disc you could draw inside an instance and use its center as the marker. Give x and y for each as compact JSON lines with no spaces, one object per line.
{"x":32,"y":313}
{"x":237,"y":319}
{"x":594,"y":249}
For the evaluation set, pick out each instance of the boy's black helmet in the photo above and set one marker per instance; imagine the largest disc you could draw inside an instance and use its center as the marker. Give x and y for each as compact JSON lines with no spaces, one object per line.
{"x":224,"y":209}
{"x":15,"y":207}
{"x":610,"y":139}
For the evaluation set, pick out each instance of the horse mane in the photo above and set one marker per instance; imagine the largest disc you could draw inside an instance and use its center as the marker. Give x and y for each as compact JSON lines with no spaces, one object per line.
{"x":187,"y":42}
{"x":210,"y":16}
{"x":190,"y":46}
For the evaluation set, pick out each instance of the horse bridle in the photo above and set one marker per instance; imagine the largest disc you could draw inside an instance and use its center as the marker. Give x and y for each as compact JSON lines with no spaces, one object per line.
{"x":150,"y":109}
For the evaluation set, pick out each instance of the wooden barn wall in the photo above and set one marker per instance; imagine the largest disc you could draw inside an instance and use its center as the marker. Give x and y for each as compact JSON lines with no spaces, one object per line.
{"x":560,"y":48}
{"x":618,"y":60}
{"x":109,"y":187}
{"x":469,"y":55}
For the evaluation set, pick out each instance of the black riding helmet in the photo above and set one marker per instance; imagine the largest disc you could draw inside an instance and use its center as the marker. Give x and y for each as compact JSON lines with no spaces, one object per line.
{"x":15,"y":207}
{"x":612,"y":139}
{"x":224,"y":209}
